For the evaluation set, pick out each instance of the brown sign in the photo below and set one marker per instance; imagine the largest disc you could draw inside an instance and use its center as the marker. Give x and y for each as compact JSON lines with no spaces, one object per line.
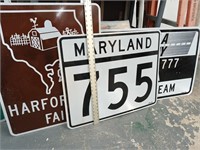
{"x":30,"y":75}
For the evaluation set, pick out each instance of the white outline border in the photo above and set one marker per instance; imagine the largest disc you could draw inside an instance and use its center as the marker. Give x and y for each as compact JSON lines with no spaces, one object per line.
{"x":196,"y":63}
{"x":48,"y":89}
{"x":39,"y":4}
{"x":112,"y":34}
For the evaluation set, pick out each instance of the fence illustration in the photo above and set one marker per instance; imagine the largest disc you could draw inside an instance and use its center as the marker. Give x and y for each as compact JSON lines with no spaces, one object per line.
{"x":69,"y":31}
{"x":19,"y":40}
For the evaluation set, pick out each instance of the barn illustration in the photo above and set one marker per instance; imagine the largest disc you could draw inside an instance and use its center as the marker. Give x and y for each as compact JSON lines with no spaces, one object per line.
{"x":44,"y":38}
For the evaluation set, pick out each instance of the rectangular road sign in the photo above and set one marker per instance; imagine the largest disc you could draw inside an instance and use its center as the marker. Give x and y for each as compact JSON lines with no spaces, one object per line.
{"x":126,"y":70}
{"x":178,"y":61}
{"x":31,"y":82}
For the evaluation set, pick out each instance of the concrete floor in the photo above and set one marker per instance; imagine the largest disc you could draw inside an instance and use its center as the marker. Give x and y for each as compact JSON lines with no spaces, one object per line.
{"x":170,"y":124}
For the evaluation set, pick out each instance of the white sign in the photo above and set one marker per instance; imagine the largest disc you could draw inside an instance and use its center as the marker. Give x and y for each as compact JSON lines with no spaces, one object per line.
{"x":126,"y":70}
{"x":178,"y":61}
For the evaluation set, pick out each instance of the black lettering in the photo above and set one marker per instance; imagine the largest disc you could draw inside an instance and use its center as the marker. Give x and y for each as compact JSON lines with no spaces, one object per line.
{"x":160,"y":89}
{"x":148,"y":42}
{"x":112,"y":45}
{"x":165,"y":89}
{"x":130,"y":45}
{"x":164,"y":41}
{"x":120,"y":49}
{"x":163,"y":50}
{"x":95,"y":51}
{"x":102,"y":45}
{"x":79,"y":51}
{"x":172,"y":87}
{"x":139,"y":42}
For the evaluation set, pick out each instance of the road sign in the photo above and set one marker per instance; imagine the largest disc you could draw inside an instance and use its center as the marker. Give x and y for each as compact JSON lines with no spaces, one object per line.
{"x":126,"y":70}
{"x":178,"y":61}
{"x":1,"y":114}
{"x":31,"y":81}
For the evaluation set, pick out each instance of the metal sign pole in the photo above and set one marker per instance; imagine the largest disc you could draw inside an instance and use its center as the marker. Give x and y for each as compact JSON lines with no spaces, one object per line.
{"x":91,"y":58}
{"x":160,"y":13}
{"x":7,"y":1}
{"x":141,"y":14}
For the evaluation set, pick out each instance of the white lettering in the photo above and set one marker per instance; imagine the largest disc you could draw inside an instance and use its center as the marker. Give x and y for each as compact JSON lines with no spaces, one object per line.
{"x":62,"y":100}
{"x":43,"y":103}
{"x":11,"y":110}
{"x":35,"y":105}
{"x":25,"y":109}
{"x":62,"y":115}
{"x":55,"y":117}
{"x":54,"y":102}
{"x":47,"y":117}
